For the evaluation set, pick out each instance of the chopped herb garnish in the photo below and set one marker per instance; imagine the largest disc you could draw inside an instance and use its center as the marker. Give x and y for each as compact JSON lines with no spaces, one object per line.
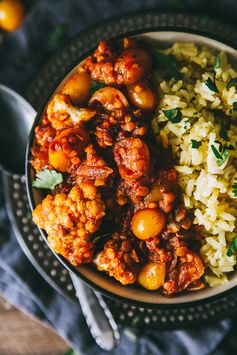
{"x":216,"y":111}
{"x":195,"y":144}
{"x":223,"y":122}
{"x":96,"y":85}
{"x":211,"y":85}
{"x":174,"y":115}
{"x":192,"y":99}
{"x":216,"y":153}
{"x":47,"y":179}
{"x":220,"y":145}
{"x":232,"y":82}
{"x":224,"y":156}
{"x":233,"y":247}
{"x":167,"y":62}
{"x":222,"y":153}
{"x":235,"y":106}
{"x":235,"y":187}
{"x":217,"y":62}
{"x":186,"y":124}
{"x":223,"y":131}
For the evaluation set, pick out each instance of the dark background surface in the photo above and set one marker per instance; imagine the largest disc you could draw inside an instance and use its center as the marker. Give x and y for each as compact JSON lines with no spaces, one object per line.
{"x":48,"y":25}
{"x":23,"y":53}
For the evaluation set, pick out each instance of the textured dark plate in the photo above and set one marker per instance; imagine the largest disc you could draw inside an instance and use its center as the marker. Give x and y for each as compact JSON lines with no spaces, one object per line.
{"x":38,"y":93}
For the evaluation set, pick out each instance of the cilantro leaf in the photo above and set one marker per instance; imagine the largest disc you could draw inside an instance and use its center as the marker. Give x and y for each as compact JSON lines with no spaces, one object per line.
{"x":232,"y":82}
{"x":233,"y":247}
{"x":220,"y":145}
{"x":167,"y":62}
{"x":223,"y":122}
{"x":47,"y":179}
{"x":222,"y":153}
{"x":223,"y":131}
{"x":211,"y":85}
{"x":174,"y":115}
{"x":224,"y":156}
{"x":195,"y":144}
{"x":235,"y":106}
{"x":96,"y":85}
{"x":216,"y":153}
{"x":235,"y":187}
{"x":217,"y":62}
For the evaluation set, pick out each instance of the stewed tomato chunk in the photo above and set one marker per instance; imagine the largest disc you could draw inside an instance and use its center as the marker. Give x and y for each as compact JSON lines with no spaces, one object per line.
{"x":67,"y":148}
{"x":132,"y":65}
{"x":132,"y":157}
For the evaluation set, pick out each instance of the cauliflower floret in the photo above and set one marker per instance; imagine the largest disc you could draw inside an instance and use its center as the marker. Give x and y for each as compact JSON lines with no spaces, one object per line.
{"x":70,"y":220}
{"x":119,"y":259}
{"x":63,"y":114}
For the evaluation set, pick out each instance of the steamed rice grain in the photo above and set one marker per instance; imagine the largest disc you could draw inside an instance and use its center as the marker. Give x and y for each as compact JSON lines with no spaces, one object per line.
{"x":207,"y":187}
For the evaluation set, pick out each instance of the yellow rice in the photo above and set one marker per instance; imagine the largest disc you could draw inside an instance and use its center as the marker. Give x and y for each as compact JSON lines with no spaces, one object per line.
{"x":207,"y":188}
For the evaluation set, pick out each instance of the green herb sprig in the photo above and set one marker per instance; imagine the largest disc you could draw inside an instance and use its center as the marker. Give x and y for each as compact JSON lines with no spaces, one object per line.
{"x":220,"y":145}
{"x":174,"y":115}
{"x":217,"y":62}
{"x":235,"y":106}
{"x":47,"y":179}
{"x":211,"y":85}
{"x":232,"y":82}
{"x":195,"y":144}
{"x":222,"y":153}
{"x":235,"y":187}
{"x":167,"y":62}
{"x":233,"y":247}
{"x":223,"y":131}
{"x":223,"y":122}
{"x":96,"y":85}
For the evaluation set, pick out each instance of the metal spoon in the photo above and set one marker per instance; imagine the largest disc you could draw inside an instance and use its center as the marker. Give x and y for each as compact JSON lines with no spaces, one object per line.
{"x":17,"y":117}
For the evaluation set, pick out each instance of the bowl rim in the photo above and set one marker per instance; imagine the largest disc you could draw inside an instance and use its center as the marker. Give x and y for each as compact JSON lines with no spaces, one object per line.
{"x":28,"y":169}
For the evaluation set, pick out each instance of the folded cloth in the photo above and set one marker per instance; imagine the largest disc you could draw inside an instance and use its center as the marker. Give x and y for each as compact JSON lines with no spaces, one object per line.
{"x":21,"y":54}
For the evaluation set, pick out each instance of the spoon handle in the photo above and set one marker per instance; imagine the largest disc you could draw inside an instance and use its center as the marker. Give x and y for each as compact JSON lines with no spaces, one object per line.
{"x":97,"y":314}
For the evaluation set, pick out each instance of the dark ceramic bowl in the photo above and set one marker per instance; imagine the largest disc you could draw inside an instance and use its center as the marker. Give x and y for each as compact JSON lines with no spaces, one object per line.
{"x":99,"y":280}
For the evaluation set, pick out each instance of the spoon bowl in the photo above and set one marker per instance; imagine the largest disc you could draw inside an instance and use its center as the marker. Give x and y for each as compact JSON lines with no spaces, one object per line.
{"x":16,"y":121}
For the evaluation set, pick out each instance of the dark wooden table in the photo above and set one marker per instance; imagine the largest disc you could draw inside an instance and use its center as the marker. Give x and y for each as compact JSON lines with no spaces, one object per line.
{"x":22,"y":335}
